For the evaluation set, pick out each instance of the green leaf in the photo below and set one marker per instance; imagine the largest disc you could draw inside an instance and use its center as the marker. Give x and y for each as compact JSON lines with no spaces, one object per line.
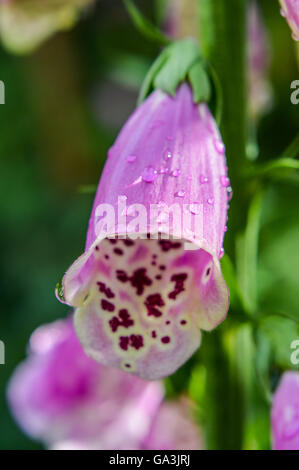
{"x":276,"y":169}
{"x":247,"y":254}
{"x":200,"y":83}
{"x":293,"y":149}
{"x":144,"y":25}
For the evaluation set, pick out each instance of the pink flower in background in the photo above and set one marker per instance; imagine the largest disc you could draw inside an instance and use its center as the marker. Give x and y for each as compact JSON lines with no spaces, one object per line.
{"x":285,"y":413}
{"x":141,"y":303}
{"x":60,"y":394}
{"x":258,"y":62}
{"x":68,"y":401}
{"x":290,"y":10}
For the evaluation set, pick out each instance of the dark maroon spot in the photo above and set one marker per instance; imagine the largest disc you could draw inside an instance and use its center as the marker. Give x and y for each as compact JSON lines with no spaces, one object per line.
{"x":122,"y":276}
{"x":140,"y":280}
{"x":136,"y":341}
{"x":118,"y":251}
{"x":165,"y":340}
{"x":162,"y":267}
{"x":128,"y":242}
{"x":168,"y":322}
{"x":158,"y":277}
{"x":167,"y":245}
{"x":183,"y":322}
{"x":154,"y":334}
{"x":154,"y":256}
{"x":112,"y":241}
{"x":105,"y":290}
{"x":123,"y":319}
{"x":128,"y":366}
{"x":153,"y":301}
{"x":107,"y":256}
{"x":154,"y":263}
{"x":208,"y":271}
{"x":124,"y":342}
{"x":97,"y":248}
{"x":179,"y":280}
{"x":108,"y":306}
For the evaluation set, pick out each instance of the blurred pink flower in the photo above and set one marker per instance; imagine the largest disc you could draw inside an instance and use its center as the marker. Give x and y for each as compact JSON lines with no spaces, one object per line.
{"x":69,"y":401}
{"x":290,"y":10}
{"x":260,"y":92}
{"x":60,"y":394}
{"x":141,"y":303}
{"x":285,"y":413}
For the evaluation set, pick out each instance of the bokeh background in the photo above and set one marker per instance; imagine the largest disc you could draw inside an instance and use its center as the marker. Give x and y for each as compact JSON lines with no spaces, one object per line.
{"x":65,"y":104}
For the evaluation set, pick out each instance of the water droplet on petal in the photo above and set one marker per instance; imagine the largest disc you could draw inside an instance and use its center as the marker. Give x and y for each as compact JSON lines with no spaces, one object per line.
{"x":131,"y":158}
{"x":163,"y":171}
{"x":167,"y":155}
{"x":210,"y":201}
{"x":229,"y":193}
{"x":225,"y":228}
{"x":295,"y":37}
{"x":224,"y":180}
{"x":175,"y":173}
{"x":180,"y":193}
{"x":203,"y":179}
{"x":283,"y":13}
{"x":221,"y":253}
{"x":194,"y":208}
{"x":219,"y":146}
{"x":149,"y":174}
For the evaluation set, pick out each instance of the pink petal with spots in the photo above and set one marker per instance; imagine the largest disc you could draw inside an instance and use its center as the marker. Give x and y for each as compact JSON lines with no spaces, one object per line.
{"x":143,"y":302}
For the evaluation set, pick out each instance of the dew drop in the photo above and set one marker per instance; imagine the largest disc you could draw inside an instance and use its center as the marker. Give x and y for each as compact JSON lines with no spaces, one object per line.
{"x":283,"y":13}
{"x":221,"y":253}
{"x":131,"y":158}
{"x":149,"y":174}
{"x":210,"y":201}
{"x":175,"y":173}
{"x":229,"y":193}
{"x":180,"y":193}
{"x":167,"y":155}
{"x":295,"y":37}
{"x":194,"y":208}
{"x":219,"y":146}
{"x":203,"y":179}
{"x":224,"y":180}
{"x":163,"y":171}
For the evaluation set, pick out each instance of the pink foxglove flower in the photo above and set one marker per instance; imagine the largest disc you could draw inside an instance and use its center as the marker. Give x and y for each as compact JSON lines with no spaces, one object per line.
{"x":143,"y":300}
{"x":171,"y":429}
{"x":24,"y":25}
{"x":285,"y":413}
{"x":290,"y":10}
{"x":59,"y":394}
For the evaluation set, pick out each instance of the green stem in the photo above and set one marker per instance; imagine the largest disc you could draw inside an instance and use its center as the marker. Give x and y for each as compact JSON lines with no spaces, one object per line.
{"x":223,"y":42}
{"x":222,"y":25}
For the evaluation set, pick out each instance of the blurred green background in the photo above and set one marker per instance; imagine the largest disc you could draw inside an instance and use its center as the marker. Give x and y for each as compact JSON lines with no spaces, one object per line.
{"x":64,"y":106}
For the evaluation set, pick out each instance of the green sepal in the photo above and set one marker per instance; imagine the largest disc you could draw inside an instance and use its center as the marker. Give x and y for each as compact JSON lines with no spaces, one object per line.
{"x":178,"y":62}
